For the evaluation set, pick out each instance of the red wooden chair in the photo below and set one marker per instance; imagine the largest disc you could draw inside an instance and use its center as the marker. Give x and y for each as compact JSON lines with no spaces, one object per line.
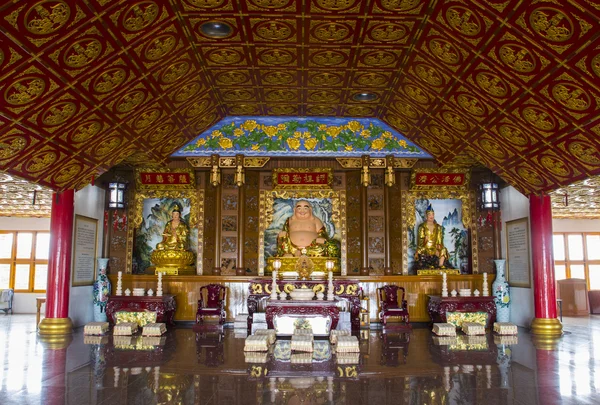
{"x":392,"y":303}
{"x":212,"y":302}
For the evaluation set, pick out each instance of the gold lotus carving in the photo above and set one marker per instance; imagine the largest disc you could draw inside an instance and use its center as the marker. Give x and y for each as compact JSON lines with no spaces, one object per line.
{"x":276,"y":57}
{"x":129,"y":101}
{"x":46,"y":17}
{"x":431,"y":146}
{"x":321,"y":110}
{"x":187,"y":91}
{"x":517,"y":57}
{"x":513,"y":134}
{"x":269,"y":3}
{"x":109,"y":80}
{"x":66,"y":173}
{"x":273,"y":30}
{"x":140,"y":16}
{"x":284,"y":109}
{"x":407,"y":109}
{"x":530,"y":176}
{"x":400,"y":5}
{"x":379,"y":58}
{"x":59,"y":113}
{"x":278,"y":78}
{"x":230,"y":78}
{"x":243,"y":109}
{"x":11,"y":145}
{"x":585,"y":152}
{"x":539,"y":118}
{"x":175,"y":72}
{"x":105,"y":147}
{"x":325,"y":79}
{"x":551,"y":24}
{"x":492,"y":84}
{"x":555,"y":165}
{"x":360,"y":111}
{"x":388,"y":32}
{"x":445,"y":51}
{"x":224,"y":56}
{"x":331,"y":31}
{"x":197,"y":108}
{"x":159,"y":47}
{"x":416,"y":93}
{"x":86,"y":131}
{"x":41,"y":161}
{"x":238,"y":95}
{"x":372,"y":79}
{"x":442,"y":134}
{"x":208,"y":3}
{"x":463,"y":20}
{"x":82,"y":52}
{"x":335,"y":5}
{"x":25,"y":90}
{"x":493,"y":148}
{"x":323,"y":97}
{"x":455,"y":121}
{"x":147,"y":118}
{"x":429,"y":75}
{"x":471,"y":104}
{"x":571,"y":96}
{"x":328,"y":58}
{"x":280,"y":95}
{"x":161,"y":132}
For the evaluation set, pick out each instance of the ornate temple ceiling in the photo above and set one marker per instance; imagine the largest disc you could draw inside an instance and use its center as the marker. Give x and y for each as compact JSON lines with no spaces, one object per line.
{"x":21,"y":198}
{"x":578,"y":200}
{"x":511,"y":84}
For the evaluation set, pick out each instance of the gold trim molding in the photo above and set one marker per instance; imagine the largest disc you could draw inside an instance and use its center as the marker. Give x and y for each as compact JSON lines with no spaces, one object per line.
{"x":228,"y":162}
{"x":378,"y":163}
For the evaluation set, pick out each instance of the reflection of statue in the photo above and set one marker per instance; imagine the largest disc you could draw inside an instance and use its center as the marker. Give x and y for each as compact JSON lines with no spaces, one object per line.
{"x":304,"y":234}
{"x":175,"y":234}
{"x":430,"y":242}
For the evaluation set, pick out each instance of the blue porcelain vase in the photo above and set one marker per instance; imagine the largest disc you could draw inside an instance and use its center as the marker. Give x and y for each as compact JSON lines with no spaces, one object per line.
{"x":101,"y":292}
{"x":501,"y":292}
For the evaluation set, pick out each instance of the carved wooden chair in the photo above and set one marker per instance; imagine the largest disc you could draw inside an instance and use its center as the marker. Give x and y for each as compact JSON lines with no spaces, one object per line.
{"x":212,"y":302}
{"x":392,"y":303}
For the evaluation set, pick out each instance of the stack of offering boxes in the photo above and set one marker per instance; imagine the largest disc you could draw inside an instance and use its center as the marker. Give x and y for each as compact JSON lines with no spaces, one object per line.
{"x":445,"y":333}
{"x":123,"y":334}
{"x":301,"y":347}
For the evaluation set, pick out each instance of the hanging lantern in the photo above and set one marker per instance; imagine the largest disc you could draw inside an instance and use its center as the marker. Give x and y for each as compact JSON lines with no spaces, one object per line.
{"x":116,"y":194}
{"x":489,"y":194}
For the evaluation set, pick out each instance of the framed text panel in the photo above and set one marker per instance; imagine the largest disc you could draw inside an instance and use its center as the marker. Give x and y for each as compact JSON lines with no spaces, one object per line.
{"x":517,"y":253}
{"x":84,"y":250}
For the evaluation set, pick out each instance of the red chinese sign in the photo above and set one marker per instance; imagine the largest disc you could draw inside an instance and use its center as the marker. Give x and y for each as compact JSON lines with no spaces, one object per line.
{"x":167,"y":178}
{"x":440,"y":179}
{"x":302,"y":179}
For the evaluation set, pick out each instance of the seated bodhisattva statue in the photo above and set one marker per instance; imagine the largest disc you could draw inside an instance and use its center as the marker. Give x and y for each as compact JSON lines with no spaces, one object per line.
{"x":175,"y":234}
{"x":305,"y":234}
{"x":431,"y":251}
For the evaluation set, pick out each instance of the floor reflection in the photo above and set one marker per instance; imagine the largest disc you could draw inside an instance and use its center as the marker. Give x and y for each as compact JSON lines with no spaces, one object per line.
{"x":209,"y":366}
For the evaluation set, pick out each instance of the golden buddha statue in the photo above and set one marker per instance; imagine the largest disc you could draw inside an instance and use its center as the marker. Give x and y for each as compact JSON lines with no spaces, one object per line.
{"x":431,"y":251}
{"x":303,"y":234}
{"x":173,"y":251}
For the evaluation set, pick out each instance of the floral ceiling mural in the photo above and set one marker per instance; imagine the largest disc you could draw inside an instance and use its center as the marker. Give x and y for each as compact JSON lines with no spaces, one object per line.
{"x":301,"y":136}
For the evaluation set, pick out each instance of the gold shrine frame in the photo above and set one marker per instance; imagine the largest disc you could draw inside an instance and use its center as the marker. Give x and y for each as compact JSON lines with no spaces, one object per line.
{"x":468,"y":210}
{"x":196,"y":198}
{"x":338,"y":199}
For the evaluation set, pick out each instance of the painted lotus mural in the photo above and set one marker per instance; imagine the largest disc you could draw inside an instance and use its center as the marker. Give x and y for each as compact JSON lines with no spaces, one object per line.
{"x":290,"y":136}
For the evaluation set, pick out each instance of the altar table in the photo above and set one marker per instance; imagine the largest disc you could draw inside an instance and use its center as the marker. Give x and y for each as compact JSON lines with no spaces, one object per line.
{"x":347,"y":290}
{"x":164,"y":306}
{"x":322,"y":315}
{"x":439,"y":306}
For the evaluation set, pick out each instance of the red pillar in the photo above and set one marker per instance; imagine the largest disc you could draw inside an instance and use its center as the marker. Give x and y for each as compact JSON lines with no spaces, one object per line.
{"x":59,"y":265}
{"x":544,"y":287}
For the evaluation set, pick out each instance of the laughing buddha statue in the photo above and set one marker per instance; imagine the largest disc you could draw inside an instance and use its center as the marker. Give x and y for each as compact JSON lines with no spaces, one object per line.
{"x":303,"y":234}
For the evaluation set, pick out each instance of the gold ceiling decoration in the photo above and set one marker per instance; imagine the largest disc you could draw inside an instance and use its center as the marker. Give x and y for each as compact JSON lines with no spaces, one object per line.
{"x":21,"y":198}
{"x":577,"y":201}
{"x":512,"y":85}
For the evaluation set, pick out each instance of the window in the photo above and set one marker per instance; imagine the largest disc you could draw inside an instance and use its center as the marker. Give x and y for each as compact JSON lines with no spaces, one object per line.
{"x":577,"y":255}
{"x":24,"y":260}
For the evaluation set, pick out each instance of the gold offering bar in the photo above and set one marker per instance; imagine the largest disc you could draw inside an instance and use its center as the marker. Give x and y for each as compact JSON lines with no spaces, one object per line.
{"x":437,"y":272}
{"x":288,"y":264}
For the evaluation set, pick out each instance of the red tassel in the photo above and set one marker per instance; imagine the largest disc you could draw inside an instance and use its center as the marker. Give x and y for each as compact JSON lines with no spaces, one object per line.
{"x":92,"y":179}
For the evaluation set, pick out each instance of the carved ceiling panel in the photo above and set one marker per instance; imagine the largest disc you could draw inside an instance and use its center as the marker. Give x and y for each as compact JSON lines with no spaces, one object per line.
{"x":513,"y":85}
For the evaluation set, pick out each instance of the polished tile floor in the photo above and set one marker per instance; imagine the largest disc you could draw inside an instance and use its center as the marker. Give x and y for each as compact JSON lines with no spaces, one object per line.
{"x":209,"y":367}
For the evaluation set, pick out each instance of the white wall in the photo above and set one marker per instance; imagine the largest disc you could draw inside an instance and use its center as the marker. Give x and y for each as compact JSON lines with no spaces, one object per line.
{"x":24,"y":303}
{"x":576,"y":225}
{"x":515,"y":206}
{"x":89,"y":202}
